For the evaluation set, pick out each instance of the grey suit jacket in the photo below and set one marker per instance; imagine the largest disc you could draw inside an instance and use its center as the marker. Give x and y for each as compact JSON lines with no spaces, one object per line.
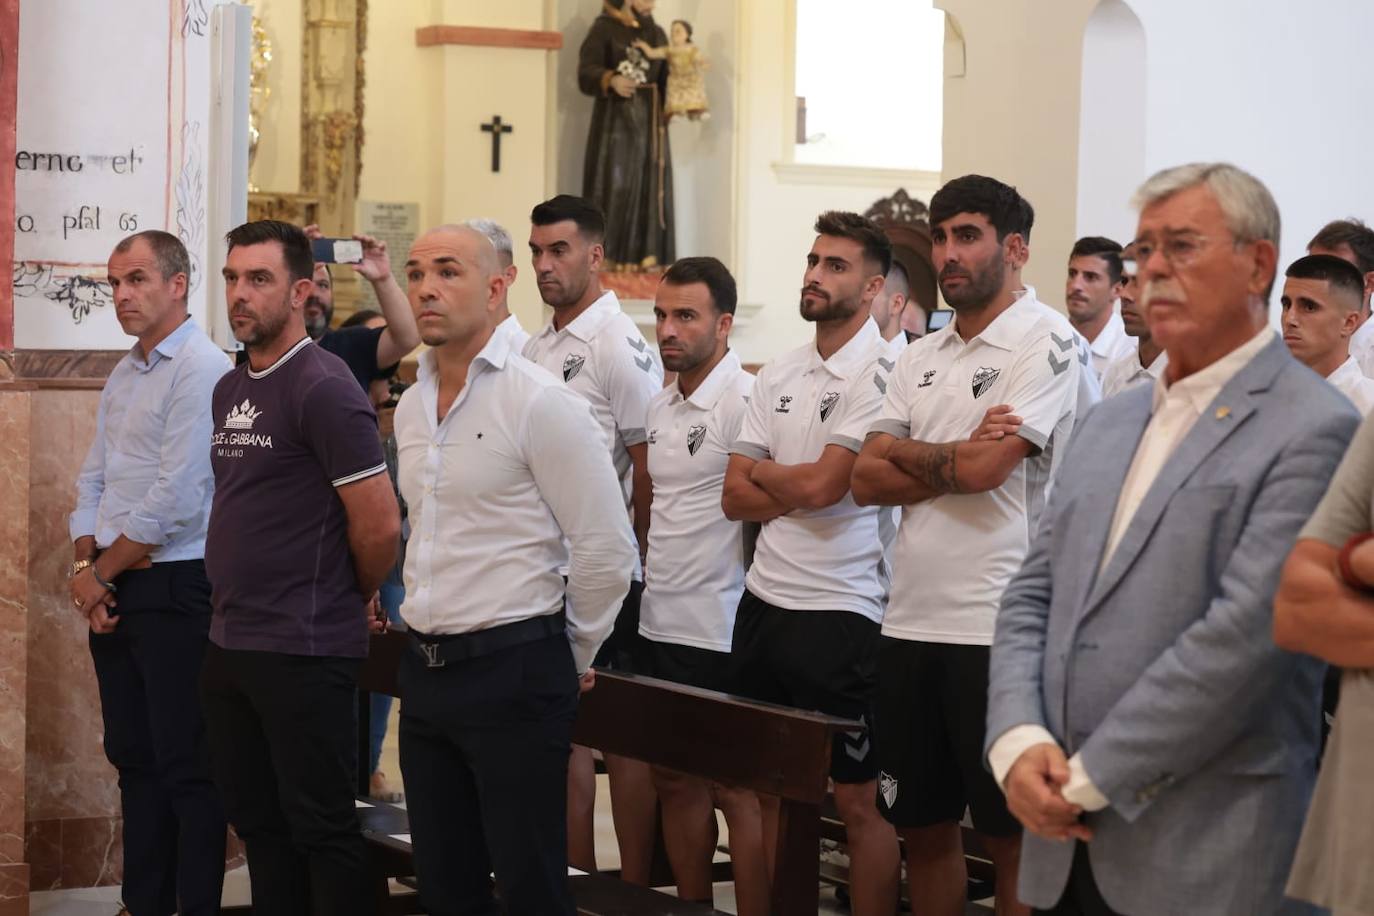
{"x":1161,"y":669}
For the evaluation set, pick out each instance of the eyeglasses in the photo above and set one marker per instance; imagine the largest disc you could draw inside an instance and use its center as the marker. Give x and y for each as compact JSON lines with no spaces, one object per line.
{"x":1179,"y":249}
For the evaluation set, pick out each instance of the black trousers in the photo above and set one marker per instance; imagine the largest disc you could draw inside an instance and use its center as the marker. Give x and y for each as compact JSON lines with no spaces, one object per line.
{"x":283,"y":729}
{"x":1081,"y":896}
{"x":484,"y":753}
{"x":147,"y":671}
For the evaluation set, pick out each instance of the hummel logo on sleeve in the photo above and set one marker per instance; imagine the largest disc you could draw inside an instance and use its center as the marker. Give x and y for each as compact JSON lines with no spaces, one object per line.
{"x":879,"y":382}
{"x":1063,"y":343}
{"x":887,"y":364}
{"x":1057,"y":365}
{"x":645,"y":362}
{"x":636,"y":342}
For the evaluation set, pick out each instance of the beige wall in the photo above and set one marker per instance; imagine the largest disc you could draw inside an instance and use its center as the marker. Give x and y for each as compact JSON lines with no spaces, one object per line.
{"x":423,"y":111}
{"x":277,"y":165}
{"x":777,"y":202}
{"x":1011,"y":111}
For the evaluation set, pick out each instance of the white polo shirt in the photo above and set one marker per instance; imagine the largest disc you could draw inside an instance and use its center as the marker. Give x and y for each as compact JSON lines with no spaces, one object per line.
{"x":518,"y":335}
{"x":1127,"y":372}
{"x":602,"y":356}
{"x":1111,"y":344}
{"x":695,"y":570}
{"x":818,"y":559}
{"x":955,"y":553}
{"x":1354,"y":384}
{"x":1362,"y":347}
{"x":493,"y":488}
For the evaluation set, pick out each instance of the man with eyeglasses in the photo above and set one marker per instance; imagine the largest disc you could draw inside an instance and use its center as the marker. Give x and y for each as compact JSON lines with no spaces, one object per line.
{"x":1139,"y":712}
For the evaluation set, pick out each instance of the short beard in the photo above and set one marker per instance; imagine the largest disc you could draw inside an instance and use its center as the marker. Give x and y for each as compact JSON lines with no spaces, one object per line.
{"x":982,"y":287}
{"x":690,"y":359}
{"x":831,"y":310}
{"x":570,"y":296}
{"x":317,"y":327}
{"x":263,"y":331}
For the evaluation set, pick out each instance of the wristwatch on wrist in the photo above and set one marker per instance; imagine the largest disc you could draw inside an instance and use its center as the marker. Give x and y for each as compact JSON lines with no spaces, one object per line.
{"x":78,"y":566}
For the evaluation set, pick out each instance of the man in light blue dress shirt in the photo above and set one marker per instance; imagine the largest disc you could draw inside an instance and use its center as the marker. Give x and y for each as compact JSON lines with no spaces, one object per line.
{"x":143,"y":501}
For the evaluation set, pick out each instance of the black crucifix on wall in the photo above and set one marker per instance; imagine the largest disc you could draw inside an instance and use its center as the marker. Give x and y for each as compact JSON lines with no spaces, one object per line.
{"x":496,"y":129}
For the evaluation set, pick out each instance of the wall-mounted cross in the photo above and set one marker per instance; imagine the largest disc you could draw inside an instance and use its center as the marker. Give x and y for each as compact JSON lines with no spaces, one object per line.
{"x":496,"y":129}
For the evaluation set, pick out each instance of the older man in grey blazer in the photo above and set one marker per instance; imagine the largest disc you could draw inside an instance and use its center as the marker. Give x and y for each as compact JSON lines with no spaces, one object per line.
{"x":1156,"y":744}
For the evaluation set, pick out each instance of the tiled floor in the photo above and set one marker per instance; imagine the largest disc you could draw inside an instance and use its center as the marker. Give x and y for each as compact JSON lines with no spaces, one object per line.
{"x":103,"y":901}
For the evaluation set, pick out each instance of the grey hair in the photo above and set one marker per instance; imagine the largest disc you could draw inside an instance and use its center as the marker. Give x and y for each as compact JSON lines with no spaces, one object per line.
{"x":1249,"y":209}
{"x":498,"y":236}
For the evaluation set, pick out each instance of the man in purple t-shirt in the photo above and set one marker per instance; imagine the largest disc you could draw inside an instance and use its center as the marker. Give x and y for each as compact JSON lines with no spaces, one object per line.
{"x":303,"y":530}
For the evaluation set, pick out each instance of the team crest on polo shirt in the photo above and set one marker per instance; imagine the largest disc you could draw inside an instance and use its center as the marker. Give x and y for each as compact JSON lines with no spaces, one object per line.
{"x":828,"y":402}
{"x":573,"y":365}
{"x":887,"y":785}
{"x":653,"y":436}
{"x":695,"y":436}
{"x":983,"y":379}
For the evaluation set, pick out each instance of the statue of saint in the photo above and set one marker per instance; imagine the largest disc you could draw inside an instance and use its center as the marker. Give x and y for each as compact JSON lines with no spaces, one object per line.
{"x":629,"y":170}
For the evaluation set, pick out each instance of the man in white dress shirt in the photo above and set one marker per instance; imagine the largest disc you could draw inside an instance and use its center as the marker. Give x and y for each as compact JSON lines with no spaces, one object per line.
{"x":694,"y":573}
{"x":1353,"y":241}
{"x":1090,"y":290}
{"x":1322,"y":306}
{"x":599,"y":353}
{"x":1146,"y":362}
{"x":505,"y":257}
{"x":499,"y":463}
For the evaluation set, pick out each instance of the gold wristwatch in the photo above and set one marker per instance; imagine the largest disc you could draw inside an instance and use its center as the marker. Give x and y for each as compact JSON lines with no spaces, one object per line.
{"x":80,"y":565}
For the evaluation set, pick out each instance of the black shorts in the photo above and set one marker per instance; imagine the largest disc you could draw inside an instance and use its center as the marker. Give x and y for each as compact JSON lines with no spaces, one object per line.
{"x":623,"y":650}
{"x":695,"y":667}
{"x":932,"y":708}
{"x":820,"y":660}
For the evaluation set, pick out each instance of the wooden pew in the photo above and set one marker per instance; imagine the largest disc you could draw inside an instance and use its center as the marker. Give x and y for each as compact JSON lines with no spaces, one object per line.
{"x":771,"y":749}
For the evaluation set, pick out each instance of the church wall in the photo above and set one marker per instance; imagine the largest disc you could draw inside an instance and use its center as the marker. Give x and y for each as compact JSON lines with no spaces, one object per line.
{"x":1275,"y":87}
{"x":72,"y":806}
{"x":14,"y":603}
{"x":1267,"y":85}
{"x":423,"y":111}
{"x":277,"y":166}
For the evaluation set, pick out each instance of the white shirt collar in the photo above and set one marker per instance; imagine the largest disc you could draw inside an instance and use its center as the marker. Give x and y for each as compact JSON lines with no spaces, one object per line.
{"x":493,"y":354}
{"x":281,"y":360}
{"x":1110,"y":337}
{"x":1006,"y":332}
{"x":1347,"y":373}
{"x":1202,"y":386}
{"x":851,"y":357}
{"x":585,"y":326}
{"x":713,"y":386}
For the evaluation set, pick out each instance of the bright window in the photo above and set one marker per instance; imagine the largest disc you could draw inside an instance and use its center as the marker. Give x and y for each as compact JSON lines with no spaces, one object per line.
{"x":871,"y":73}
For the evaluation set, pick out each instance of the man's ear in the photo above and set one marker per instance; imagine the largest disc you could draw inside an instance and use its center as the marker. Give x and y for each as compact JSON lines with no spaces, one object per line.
{"x":873,"y":287}
{"x":1018,"y":252}
{"x":1352,"y":321}
{"x":300,"y":291}
{"x":598,"y":255}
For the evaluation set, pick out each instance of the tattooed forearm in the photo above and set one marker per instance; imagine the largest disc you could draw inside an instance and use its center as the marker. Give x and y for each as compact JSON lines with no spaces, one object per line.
{"x":935,"y":465}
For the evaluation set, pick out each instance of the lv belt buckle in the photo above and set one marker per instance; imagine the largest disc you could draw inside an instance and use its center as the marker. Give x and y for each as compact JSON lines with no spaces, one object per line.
{"x":432,"y":659}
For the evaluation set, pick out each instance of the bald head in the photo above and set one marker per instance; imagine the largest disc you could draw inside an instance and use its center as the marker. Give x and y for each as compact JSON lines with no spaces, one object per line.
{"x":475,"y":243}
{"x":455,"y":285}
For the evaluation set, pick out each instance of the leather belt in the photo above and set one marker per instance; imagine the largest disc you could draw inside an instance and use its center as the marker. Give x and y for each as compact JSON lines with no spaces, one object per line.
{"x":438,"y":651}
